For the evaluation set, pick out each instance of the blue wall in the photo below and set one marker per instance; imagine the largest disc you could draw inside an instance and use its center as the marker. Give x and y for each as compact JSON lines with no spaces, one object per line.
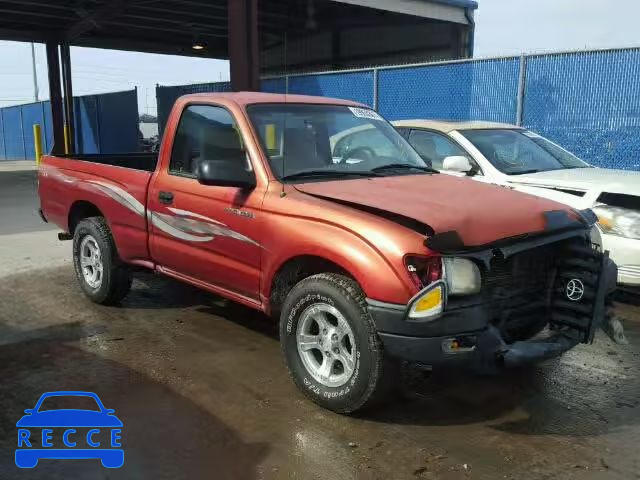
{"x":106,"y":123}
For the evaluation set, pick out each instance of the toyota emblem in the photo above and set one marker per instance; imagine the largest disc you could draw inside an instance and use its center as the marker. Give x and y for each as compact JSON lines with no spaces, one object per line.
{"x":574,"y":289}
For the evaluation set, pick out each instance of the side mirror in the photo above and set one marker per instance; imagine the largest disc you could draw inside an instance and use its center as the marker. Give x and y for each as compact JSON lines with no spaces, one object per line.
{"x":109,"y":411}
{"x":29,"y":411}
{"x":223,"y":173}
{"x":457,"y":163}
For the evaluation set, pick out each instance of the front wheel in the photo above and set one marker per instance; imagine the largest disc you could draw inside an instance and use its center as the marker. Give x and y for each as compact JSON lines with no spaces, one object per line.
{"x":331,"y":346}
{"x":99,"y":271}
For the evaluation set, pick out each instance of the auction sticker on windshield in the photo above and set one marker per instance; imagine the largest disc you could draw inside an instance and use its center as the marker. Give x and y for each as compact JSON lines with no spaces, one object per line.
{"x":365,"y":113}
{"x":53,"y":430}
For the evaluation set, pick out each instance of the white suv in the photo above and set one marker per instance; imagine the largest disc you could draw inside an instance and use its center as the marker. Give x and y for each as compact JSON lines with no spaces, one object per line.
{"x":512,"y":156}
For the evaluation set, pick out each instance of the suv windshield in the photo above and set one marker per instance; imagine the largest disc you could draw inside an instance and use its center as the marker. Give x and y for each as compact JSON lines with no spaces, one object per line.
{"x":325,"y":142}
{"x":515,"y":152}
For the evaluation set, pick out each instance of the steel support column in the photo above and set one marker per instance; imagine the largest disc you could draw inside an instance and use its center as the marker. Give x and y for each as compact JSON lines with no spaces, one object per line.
{"x":55,"y":94}
{"x":65,"y":57}
{"x":243,"y":44}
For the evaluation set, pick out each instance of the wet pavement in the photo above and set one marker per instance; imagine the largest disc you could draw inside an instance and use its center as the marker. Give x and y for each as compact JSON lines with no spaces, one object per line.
{"x":203,"y":393}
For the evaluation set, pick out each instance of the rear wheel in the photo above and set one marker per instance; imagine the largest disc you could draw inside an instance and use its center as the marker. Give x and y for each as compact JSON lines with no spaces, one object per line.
{"x":99,"y":271}
{"x":331,"y":346}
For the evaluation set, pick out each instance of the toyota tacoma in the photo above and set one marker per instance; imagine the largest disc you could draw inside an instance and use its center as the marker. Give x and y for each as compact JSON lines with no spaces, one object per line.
{"x":366,"y":255}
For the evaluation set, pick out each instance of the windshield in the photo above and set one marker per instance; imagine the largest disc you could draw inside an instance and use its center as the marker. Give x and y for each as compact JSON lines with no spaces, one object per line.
{"x":515,"y":152}
{"x":331,"y":141}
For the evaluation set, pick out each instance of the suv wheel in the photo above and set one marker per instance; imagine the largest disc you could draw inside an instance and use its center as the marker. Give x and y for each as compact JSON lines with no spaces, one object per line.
{"x":99,"y":271}
{"x":330,"y":344}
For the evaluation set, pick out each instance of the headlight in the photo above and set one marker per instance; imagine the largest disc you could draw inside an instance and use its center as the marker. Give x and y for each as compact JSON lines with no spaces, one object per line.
{"x":462,"y":276}
{"x":618,"y":221}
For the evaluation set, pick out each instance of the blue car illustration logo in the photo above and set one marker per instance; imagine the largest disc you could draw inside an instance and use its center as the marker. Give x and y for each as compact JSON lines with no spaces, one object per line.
{"x":63,"y":432}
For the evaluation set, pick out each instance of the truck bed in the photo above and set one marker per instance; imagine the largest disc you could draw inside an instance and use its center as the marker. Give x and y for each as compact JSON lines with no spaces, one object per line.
{"x":113,"y":186}
{"x":137,"y":160}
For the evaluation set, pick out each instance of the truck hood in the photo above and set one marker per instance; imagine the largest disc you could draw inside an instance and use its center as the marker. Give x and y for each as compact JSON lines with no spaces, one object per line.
{"x":479,"y":213}
{"x":585,"y":179}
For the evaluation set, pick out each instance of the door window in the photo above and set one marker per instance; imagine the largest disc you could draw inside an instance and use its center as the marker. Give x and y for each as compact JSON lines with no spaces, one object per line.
{"x":205,"y":132}
{"x":434,"y":147}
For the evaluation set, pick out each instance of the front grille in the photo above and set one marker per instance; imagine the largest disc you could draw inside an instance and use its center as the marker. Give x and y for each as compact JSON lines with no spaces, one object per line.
{"x":528,"y":290}
{"x":517,"y":290}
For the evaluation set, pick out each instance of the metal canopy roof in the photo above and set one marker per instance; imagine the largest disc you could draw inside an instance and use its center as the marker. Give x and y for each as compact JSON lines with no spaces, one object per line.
{"x":167,"y":26}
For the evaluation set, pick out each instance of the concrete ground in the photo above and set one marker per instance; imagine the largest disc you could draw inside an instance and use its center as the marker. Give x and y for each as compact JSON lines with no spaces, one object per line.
{"x":26,"y":242}
{"x":202,"y":391}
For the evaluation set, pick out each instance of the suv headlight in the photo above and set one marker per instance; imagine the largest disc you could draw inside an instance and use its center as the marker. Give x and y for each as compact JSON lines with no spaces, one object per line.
{"x":618,"y":221}
{"x":462,"y":276}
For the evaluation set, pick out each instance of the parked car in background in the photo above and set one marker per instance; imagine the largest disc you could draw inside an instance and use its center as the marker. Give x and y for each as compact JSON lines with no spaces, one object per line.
{"x":518,"y":158}
{"x":365,"y":254}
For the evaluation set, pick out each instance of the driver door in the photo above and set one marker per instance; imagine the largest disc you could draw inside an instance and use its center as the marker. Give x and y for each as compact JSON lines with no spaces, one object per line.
{"x":206,"y":234}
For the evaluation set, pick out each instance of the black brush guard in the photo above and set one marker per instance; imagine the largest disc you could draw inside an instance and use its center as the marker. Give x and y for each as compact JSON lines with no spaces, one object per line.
{"x":573,"y":321}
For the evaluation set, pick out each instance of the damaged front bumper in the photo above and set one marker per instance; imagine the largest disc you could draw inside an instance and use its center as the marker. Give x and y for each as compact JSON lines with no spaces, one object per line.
{"x":484,"y":349}
{"x":466,"y":334}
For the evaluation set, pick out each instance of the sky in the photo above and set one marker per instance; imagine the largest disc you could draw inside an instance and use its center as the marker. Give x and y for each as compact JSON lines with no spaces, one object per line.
{"x":503,"y":27}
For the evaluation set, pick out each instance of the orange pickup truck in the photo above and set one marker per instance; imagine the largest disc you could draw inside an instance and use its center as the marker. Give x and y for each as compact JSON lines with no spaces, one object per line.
{"x":365,"y":254}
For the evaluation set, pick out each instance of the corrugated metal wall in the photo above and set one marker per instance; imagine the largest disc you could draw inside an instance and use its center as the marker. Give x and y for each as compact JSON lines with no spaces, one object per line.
{"x":588,"y":102}
{"x":106,"y":123}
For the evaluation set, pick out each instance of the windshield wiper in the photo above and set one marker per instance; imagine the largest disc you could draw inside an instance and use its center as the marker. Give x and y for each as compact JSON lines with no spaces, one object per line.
{"x":330,"y":173}
{"x":403,"y":166}
{"x":523,"y":172}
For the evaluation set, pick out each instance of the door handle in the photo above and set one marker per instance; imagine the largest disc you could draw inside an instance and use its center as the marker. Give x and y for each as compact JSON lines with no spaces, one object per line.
{"x":165,"y":198}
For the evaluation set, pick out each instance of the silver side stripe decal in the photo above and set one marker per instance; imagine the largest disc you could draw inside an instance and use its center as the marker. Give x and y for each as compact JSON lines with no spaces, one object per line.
{"x":185,"y":213}
{"x":188,"y":226}
{"x":185,"y":225}
{"x":168,"y":224}
{"x":119,"y":195}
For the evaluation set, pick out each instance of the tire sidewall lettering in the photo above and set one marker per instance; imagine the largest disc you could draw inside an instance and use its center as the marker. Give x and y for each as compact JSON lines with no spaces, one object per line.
{"x":310,"y":383}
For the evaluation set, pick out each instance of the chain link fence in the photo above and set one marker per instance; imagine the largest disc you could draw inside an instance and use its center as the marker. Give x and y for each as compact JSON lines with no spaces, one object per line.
{"x":588,"y":102}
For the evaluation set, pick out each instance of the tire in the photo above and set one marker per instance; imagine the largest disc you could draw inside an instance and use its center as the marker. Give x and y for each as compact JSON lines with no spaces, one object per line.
{"x":114,"y":281}
{"x":360,"y":375}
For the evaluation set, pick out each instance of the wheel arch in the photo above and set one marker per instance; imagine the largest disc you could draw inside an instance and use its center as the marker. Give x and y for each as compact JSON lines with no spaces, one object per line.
{"x":292,"y":270}
{"x":81,"y":209}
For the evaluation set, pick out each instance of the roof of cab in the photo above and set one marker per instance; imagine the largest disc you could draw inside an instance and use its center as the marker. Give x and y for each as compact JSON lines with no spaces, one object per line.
{"x":449,"y":126}
{"x":249,"y":98}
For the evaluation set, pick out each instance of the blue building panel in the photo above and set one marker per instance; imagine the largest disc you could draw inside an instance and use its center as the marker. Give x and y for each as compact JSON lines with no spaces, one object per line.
{"x":31,"y":114}
{"x":3,"y":153}
{"x":13,"y":137}
{"x":87,"y":128}
{"x":117,"y":117}
{"x":47,"y":129}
